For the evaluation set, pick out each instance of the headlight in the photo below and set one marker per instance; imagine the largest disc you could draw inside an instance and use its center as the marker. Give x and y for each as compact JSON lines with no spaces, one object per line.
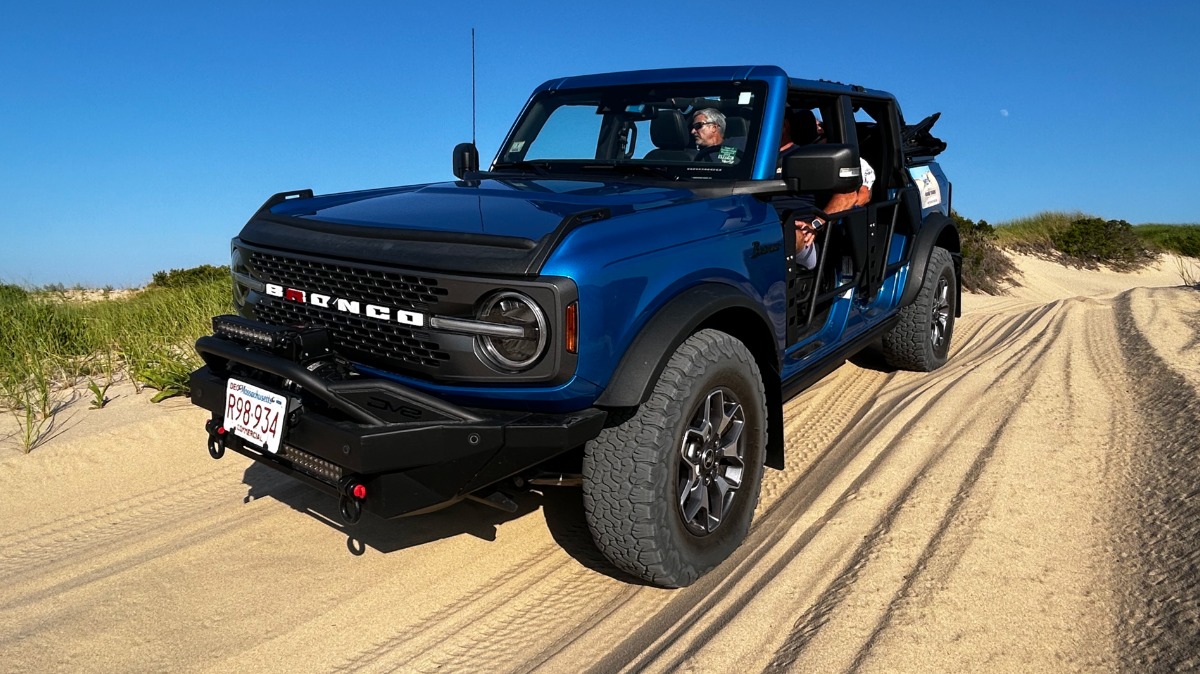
{"x":512,"y":353}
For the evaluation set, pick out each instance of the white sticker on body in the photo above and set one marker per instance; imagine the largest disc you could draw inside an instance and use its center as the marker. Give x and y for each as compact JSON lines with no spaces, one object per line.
{"x":931,"y":191}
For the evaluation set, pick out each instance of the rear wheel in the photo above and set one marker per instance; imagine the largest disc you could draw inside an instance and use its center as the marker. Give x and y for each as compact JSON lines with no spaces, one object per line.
{"x":669,"y":491}
{"x":921,"y":339}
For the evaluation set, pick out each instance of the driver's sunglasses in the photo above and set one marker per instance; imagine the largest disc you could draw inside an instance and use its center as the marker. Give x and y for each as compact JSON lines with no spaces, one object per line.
{"x":699,"y":125}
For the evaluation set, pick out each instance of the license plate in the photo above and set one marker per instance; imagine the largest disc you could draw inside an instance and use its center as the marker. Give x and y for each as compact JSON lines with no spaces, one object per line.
{"x":255,"y":414}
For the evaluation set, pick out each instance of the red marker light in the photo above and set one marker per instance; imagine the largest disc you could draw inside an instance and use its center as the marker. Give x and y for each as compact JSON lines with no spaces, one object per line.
{"x":359,"y":491}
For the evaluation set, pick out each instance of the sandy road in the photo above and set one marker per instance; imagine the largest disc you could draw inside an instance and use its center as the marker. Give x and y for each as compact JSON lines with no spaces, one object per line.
{"x":1030,"y":507}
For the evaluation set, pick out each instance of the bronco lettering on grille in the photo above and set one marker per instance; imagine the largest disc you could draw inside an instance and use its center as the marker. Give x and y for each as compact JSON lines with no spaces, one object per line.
{"x":354,"y":307}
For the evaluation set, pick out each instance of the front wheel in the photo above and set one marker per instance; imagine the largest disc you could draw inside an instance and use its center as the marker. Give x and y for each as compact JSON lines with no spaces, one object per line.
{"x":669,"y":491}
{"x":921,"y":339}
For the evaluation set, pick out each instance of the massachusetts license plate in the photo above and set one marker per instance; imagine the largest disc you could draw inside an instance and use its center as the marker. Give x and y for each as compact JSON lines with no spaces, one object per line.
{"x":255,"y":414}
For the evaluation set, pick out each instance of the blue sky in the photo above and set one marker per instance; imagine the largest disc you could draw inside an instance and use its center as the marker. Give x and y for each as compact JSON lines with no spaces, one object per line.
{"x":136,"y":137}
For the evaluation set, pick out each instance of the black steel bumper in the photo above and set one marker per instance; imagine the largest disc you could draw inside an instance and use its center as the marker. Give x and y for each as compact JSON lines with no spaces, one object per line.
{"x":407,"y":450}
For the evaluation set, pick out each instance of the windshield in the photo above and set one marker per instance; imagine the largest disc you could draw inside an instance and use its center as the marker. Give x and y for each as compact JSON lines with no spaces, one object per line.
{"x":680,"y":131}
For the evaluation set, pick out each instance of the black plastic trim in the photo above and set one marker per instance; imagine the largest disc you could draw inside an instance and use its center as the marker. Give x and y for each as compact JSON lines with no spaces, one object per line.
{"x":415,"y":249}
{"x":568,"y":224}
{"x":647,"y":355}
{"x":923,"y":244}
{"x":280,"y":197}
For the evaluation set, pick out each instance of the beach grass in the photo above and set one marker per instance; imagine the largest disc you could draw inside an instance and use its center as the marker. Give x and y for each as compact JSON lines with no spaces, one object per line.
{"x":1036,"y":234}
{"x":53,"y":342}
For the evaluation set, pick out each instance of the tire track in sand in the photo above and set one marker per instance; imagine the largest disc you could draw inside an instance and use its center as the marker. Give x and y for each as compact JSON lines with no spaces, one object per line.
{"x":35,"y":551}
{"x":916,"y":565}
{"x":807,"y":550}
{"x":1160,"y":564}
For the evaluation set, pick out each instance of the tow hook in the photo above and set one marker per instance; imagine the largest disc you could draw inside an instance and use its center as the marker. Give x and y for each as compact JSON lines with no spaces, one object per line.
{"x":350,"y":504}
{"x":216,"y":438}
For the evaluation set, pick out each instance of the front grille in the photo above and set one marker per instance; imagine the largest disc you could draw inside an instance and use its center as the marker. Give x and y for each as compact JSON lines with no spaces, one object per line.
{"x":363,"y":340}
{"x":383,"y":345}
{"x":376,"y":286}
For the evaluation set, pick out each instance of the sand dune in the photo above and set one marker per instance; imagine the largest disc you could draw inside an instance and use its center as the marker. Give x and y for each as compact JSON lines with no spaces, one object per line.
{"x":1030,"y":507}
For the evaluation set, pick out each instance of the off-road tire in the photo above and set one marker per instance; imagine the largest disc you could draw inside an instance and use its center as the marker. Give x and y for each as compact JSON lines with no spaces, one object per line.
{"x":920,"y":341}
{"x":635,"y":471}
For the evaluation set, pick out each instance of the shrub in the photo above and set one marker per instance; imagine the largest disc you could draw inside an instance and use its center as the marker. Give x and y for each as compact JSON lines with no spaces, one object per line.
{"x":11,"y":294}
{"x":985,"y":267}
{"x":1090,"y":242}
{"x":182,"y":278}
{"x":1033,"y":235}
{"x":1188,"y":244}
{"x":1181,"y":239}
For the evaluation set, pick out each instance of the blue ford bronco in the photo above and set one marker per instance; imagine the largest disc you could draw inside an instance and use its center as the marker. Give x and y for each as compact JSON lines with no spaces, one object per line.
{"x":605,"y":305}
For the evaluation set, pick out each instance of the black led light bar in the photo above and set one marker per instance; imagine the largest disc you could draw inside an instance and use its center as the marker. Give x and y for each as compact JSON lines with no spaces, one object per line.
{"x":296,"y":343}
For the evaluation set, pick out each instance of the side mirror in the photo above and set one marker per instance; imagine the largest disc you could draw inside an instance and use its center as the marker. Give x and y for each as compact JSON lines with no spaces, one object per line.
{"x":466,"y":159}
{"x":823,"y":168}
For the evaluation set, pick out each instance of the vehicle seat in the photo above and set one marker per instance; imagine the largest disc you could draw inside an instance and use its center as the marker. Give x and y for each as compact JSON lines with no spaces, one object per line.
{"x":736,"y":130}
{"x":669,"y":133}
{"x":803,"y":126}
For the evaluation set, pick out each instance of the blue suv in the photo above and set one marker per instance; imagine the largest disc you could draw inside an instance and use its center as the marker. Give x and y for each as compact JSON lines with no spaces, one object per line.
{"x":622,"y":294}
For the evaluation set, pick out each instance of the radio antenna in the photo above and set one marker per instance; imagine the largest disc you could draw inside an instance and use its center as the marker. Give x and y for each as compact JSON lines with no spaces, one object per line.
{"x":472,"y":86}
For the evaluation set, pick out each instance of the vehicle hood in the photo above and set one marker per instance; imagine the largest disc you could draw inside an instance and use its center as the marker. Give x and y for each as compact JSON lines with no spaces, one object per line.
{"x":527,"y":209}
{"x":506,"y":226}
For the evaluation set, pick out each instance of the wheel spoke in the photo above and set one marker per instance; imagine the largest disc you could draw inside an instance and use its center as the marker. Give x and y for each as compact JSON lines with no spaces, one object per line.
{"x":690,"y":450}
{"x":694,"y":499}
{"x":714,"y":412}
{"x":717,"y":497}
{"x":729,"y":442}
{"x":733,"y":475}
{"x":728,"y":412}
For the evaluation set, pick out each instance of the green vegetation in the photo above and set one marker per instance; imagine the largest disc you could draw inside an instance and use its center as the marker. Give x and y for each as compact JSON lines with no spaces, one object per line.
{"x":183,"y":278}
{"x":1090,"y":242}
{"x":99,"y":397}
{"x":52,"y":343}
{"x":985,"y":267}
{"x":1179,"y":239}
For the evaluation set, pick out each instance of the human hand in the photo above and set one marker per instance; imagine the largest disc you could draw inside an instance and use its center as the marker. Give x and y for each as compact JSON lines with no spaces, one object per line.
{"x":805,"y":234}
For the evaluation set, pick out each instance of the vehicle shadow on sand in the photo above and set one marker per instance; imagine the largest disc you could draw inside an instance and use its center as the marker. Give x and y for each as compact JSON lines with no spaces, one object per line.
{"x":561,"y":506}
{"x":381,"y":534}
{"x":563,"y":509}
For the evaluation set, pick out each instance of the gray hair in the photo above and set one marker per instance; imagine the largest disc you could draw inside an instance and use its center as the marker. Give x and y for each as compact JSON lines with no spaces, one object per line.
{"x":712,"y":115}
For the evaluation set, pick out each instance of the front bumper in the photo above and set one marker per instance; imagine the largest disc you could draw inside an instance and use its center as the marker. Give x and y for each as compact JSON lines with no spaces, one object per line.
{"x":408,"y":451}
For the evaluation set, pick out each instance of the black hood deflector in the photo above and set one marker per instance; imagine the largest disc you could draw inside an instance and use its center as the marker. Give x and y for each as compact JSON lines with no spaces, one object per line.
{"x":413,"y":248}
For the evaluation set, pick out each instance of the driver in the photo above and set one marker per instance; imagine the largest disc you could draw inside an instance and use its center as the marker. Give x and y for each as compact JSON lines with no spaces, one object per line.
{"x":708,"y":129}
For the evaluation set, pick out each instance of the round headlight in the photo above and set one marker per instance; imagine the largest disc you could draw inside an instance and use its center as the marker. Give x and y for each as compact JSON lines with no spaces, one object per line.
{"x":513,"y":353}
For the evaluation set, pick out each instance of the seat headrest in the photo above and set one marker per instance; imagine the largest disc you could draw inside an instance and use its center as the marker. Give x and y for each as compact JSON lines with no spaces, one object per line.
{"x":736,"y":126}
{"x":803,"y":125}
{"x":669,"y":130}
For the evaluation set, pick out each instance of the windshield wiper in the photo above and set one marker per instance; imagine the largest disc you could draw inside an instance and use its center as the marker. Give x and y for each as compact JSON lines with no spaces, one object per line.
{"x":633,"y":168}
{"x":541,"y":168}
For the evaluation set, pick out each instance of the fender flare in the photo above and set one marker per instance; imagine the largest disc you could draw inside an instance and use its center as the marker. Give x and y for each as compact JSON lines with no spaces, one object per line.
{"x":938,"y":230}
{"x":634,"y":378}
